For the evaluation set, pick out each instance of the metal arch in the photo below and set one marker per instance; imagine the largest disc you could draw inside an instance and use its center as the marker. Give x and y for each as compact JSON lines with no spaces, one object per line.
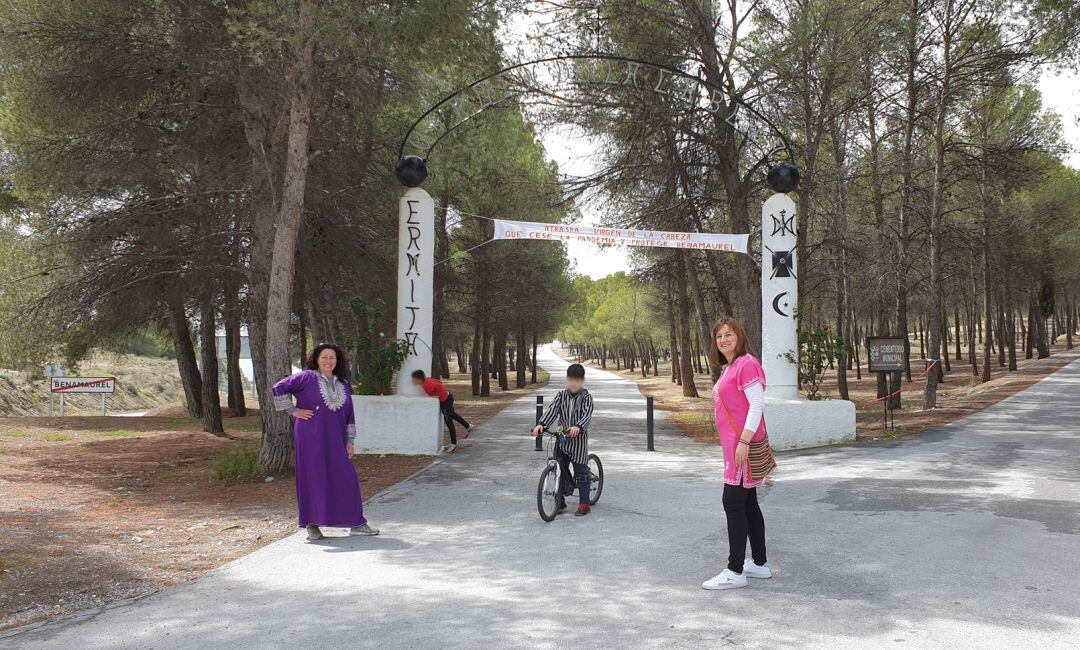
{"x":584,"y":57}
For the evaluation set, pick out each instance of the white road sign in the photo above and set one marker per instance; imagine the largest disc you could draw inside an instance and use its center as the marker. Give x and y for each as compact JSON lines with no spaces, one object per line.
{"x":84,"y":384}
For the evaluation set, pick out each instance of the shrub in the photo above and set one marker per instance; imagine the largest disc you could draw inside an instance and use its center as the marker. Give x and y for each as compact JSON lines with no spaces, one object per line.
{"x":237,"y":465}
{"x":818,"y":348}
{"x":376,"y":356}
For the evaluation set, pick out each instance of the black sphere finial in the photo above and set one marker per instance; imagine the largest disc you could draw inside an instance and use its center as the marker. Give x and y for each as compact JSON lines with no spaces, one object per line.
{"x":783,"y":178}
{"x":411,"y":171}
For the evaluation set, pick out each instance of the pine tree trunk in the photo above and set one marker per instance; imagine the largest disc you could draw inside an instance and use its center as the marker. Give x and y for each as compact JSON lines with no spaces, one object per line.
{"x":208,"y":345}
{"x":686,"y":362}
{"x":474,"y":354}
{"x":277,"y":215}
{"x":535,"y":346}
{"x":1029,"y":331}
{"x":186,"y":361}
{"x":233,"y":347}
{"x":485,"y":362}
{"x":673,"y":345}
{"x":504,"y":381}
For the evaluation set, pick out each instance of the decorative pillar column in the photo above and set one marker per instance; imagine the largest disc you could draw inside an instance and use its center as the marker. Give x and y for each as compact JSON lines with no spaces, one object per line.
{"x":793,"y":423}
{"x":779,"y":297}
{"x":416,"y":272}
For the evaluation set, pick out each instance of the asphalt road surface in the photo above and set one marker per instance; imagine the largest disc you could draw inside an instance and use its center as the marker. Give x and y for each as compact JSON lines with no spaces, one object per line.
{"x":968,"y":536}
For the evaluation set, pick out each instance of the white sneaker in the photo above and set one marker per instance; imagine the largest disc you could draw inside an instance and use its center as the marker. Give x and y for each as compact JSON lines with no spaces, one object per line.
{"x":751,"y":570}
{"x":727,"y":579}
{"x":449,"y":449}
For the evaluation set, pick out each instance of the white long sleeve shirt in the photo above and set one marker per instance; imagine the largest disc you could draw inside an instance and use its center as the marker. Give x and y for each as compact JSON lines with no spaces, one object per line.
{"x":755,"y":395}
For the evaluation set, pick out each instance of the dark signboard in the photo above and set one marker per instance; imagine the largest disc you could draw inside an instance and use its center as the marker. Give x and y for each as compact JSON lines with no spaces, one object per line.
{"x":886,"y":353}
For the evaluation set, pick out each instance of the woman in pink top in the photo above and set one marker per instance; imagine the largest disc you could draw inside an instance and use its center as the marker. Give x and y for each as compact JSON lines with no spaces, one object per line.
{"x":738,"y":399}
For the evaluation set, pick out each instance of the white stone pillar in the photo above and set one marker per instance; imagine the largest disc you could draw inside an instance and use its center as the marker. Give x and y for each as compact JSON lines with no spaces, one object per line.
{"x":779,"y":297}
{"x":416,"y":286}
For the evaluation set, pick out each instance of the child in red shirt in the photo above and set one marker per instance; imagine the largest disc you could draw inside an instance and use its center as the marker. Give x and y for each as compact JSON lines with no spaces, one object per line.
{"x":434,"y":388}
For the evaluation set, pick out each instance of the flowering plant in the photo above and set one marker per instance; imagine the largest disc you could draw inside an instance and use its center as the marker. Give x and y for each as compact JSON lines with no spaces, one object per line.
{"x":818,"y":348}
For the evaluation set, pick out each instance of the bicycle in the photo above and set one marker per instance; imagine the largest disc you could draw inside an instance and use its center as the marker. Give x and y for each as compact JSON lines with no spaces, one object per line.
{"x":552,"y":481}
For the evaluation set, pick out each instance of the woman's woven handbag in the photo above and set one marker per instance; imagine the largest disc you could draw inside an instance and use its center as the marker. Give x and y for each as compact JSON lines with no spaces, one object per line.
{"x":762,"y":461}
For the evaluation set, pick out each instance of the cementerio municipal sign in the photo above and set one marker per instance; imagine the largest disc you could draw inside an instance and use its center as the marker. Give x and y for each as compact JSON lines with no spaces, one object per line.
{"x":886,"y":353}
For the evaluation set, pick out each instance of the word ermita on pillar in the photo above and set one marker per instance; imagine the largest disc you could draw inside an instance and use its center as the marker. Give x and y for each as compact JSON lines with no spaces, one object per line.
{"x":416,"y":271}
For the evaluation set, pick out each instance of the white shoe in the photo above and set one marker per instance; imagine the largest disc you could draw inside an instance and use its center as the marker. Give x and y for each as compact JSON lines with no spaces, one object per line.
{"x":727,"y":579}
{"x":449,"y":449}
{"x":751,"y":570}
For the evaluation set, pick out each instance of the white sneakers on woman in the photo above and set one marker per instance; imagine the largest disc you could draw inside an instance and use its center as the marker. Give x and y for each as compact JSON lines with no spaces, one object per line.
{"x":728,"y":579}
{"x":751,"y":570}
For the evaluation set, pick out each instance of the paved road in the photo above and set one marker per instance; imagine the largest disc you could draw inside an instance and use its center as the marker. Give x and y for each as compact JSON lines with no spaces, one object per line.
{"x":966,"y":537}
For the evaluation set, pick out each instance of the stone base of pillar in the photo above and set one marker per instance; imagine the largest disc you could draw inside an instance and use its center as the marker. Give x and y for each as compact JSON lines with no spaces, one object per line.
{"x":798,"y":424}
{"x":396,"y":424}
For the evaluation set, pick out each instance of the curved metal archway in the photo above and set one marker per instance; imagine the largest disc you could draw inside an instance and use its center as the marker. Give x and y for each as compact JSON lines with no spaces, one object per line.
{"x":411,"y":170}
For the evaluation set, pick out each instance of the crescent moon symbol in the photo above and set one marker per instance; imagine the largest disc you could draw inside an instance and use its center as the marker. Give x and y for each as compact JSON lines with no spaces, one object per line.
{"x":776,"y":304}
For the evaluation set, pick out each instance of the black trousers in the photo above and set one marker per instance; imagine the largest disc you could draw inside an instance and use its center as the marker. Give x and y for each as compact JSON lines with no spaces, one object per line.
{"x":744,"y":519}
{"x":449,"y":415}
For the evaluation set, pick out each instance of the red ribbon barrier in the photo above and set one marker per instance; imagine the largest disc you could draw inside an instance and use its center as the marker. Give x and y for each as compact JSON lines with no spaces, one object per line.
{"x":903,"y":388}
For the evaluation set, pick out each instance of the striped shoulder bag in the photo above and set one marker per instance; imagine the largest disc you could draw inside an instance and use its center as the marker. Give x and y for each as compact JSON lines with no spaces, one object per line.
{"x":761,"y":459}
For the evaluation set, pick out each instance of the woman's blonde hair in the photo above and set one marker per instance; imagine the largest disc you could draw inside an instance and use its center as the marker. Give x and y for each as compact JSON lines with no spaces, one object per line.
{"x":742,"y":347}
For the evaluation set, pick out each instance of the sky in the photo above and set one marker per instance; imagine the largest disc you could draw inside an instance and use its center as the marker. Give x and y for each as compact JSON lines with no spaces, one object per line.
{"x":573,"y":153}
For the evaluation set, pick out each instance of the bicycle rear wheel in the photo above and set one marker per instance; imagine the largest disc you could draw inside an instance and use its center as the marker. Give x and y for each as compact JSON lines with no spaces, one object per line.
{"x":596,"y":478}
{"x":547,"y":494}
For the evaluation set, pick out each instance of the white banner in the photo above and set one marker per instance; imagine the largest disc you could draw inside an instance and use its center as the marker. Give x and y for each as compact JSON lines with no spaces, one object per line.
{"x":620,"y":236}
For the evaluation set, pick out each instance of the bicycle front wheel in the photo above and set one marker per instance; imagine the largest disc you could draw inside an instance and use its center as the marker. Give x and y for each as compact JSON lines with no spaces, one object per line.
{"x":547,"y":494}
{"x":596,"y":478}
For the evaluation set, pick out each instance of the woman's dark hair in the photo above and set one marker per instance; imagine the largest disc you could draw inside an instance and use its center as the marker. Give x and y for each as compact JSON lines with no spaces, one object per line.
{"x":742,"y":347}
{"x":341,"y":370}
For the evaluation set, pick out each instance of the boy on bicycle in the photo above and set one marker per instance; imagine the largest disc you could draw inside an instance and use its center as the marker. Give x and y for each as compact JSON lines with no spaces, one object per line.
{"x":573,"y":409}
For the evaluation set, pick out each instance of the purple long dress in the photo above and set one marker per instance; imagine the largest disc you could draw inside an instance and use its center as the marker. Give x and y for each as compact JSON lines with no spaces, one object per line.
{"x":327,"y":487}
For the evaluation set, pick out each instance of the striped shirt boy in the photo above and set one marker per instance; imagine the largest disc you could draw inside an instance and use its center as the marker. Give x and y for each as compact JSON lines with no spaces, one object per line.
{"x":571,"y":410}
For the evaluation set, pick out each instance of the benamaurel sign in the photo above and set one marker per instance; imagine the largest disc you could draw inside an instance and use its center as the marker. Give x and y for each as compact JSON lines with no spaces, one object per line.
{"x":84,"y":384}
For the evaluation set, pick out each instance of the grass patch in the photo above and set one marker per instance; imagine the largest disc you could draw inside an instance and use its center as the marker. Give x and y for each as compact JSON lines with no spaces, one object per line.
{"x":57,"y":437}
{"x":237,"y":465}
{"x":119,"y":433}
{"x":693,"y":416}
{"x":243,"y":425}
{"x":179,"y":422}
{"x":19,"y":434}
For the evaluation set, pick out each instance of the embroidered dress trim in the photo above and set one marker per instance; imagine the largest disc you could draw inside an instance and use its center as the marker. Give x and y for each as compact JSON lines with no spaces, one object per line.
{"x":748,"y":384}
{"x":333,"y":392}
{"x":282,"y":402}
{"x":350,"y":432}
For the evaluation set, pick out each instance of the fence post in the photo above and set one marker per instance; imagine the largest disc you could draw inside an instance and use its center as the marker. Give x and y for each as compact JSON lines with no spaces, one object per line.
{"x":539,"y":412}
{"x":649,"y":422}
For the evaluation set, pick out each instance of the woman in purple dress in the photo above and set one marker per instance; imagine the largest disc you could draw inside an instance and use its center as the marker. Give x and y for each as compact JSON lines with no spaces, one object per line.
{"x":327,"y":488}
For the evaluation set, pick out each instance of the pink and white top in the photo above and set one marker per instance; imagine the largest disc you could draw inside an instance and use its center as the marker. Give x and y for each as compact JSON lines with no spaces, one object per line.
{"x":742,"y":389}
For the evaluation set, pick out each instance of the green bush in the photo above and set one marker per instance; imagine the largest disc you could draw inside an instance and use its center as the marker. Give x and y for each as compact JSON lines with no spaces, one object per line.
{"x":143,"y":343}
{"x":237,"y":465}
{"x":376,"y":356}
